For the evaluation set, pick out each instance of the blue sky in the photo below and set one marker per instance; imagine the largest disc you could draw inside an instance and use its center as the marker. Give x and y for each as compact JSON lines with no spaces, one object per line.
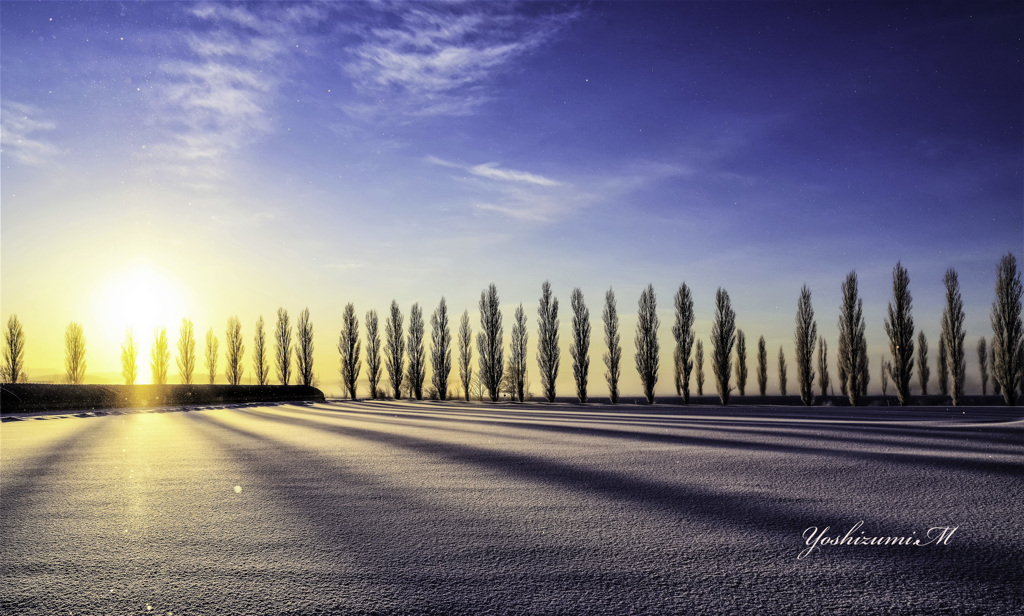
{"x":248,"y":156}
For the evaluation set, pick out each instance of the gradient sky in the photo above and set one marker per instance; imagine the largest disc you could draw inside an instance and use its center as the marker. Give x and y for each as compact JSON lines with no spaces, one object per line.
{"x":168,"y":160}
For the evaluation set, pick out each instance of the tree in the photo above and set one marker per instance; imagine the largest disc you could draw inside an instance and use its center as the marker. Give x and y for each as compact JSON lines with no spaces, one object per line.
{"x":762,"y":366}
{"x":211,"y":355}
{"x":547,"y":346}
{"x":953,"y":330}
{"x":489,"y":342}
{"x":14,"y":351}
{"x":441,"y":349}
{"x":804,"y":339}
{"x":349,"y":347}
{"x":161,"y":358}
{"x":283,"y":347}
{"x":373,"y":353}
{"x":74,"y":353}
{"x":394,"y":350}
{"x":852,"y":349}
{"x":186,"y":352}
{"x":782,"y":372}
{"x":700,"y":367}
{"x":647,"y":341}
{"x":517,"y":357}
{"x":580,"y":349}
{"x":723,"y":337}
{"x":996,"y":389}
{"x":613,"y":356}
{"x":259,"y":354}
{"x":899,"y":326}
{"x":983,"y":365}
{"x":886,"y":371}
{"x":304,"y":348}
{"x":741,"y":362}
{"x":129,"y":359}
{"x":465,"y":353}
{"x":417,"y":356}
{"x":235,"y":351}
{"x":823,"y":379}
{"x":923,"y":371}
{"x":943,"y":365}
{"x":865,"y":375}
{"x":682,"y":331}
{"x":1007,"y":330}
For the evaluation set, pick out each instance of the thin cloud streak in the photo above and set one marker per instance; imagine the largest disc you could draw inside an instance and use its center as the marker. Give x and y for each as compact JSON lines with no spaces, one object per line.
{"x":18,"y":134}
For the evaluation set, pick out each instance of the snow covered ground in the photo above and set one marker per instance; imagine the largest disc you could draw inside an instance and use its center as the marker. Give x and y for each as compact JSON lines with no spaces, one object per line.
{"x":431,"y":508}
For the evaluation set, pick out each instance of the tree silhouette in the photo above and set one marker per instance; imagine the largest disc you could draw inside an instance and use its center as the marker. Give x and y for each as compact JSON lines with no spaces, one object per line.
{"x":211,"y":354}
{"x":186,"y":352}
{"x":700,"y":368}
{"x":953,"y":329}
{"x":465,"y":354}
{"x":440,"y":349}
{"x":304,"y":348}
{"x":762,"y":366}
{"x":489,"y":342}
{"x":923,"y":371}
{"x":682,"y":331}
{"x":373,"y":353}
{"x":129,"y":359}
{"x":74,"y":353}
{"x":417,"y":356}
{"x":852,"y":348}
{"x":741,"y":362}
{"x":647,"y":341}
{"x":886,"y":371}
{"x":547,"y":346}
{"x":983,"y":365}
{"x":235,"y":351}
{"x":899,"y":326}
{"x":723,"y":337}
{"x":580,"y":349}
{"x":863,"y":366}
{"x":160,"y":356}
{"x":613,"y":356}
{"x":14,"y":351}
{"x":943,"y":364}
{"x":1007,"y":330}
{"x":283,"y":347}
{"x":996,"y":389}
{"x":782,"y":372}
{"x":517,"y":356}
{"x":823,"y":378}
{"x":394,"y":350}
{"x":803,"y":342}
{"x":259,"y":353}
{"x":349,"y":347}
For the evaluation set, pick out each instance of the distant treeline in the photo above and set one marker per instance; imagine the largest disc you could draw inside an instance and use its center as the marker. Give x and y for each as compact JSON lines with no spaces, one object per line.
{"x":402,"y":354}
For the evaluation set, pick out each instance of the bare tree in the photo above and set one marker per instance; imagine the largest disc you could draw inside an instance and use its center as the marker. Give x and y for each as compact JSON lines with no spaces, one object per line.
{"x":465,"y":353}
{"x":186,"y":352}
{"x":923,"y":371}
{"x":983,"y":365}
{"x":394,"y":350}
{"x":417,"y":356}
{"x":1007,"y":334}
{"x":823,"y":378}
{"x":259,"y":353}
{"x":899,"y":326}
{"x":441,"y":349}
{"x":762,"y":366}
{"x":682,"y":331}
{"x":548,"y":356}
{"x":160,"y":356}
{"x":373,"y":353}
{"x":283,"y":347}
{"x":723,"y":337}
{"x":863,"y":366}
{"x":803,"y":340}
{"x":700,"y":367}
{"x":489,"y":342}
{"x":647,"y":341}
{"x":943,"y":364}
{"x":516,"y":373}
{"x":613,"y":356}
{"x":235,"y":351}
{"x":304,"y":348}
{"x":782,"y":372}
{"x":996,"y":389}
{"x":580,"y":349}
{"x":741,"y":362}
{"x":211,"y":354}
{"x":129,"y":359}
{"x":74,"y":353}
{"x":886,"y":371}
{"x":349,"y":347}
{"x":14,"y":351}
{"x":852,"y":348}
{"x":953,"y":331}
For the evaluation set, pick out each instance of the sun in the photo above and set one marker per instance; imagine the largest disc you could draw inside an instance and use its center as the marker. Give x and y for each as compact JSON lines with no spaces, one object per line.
{"x":141,"y":297}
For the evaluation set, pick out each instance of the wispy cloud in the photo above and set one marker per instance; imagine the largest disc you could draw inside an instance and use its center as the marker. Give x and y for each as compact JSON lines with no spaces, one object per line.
{"x":493,"y":172}
{"x":19,"y":134}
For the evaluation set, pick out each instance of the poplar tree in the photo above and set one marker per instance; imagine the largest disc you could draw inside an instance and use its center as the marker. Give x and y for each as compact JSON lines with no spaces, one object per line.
{"x":823,"y":378}
{"x":953,"y":330}
{"x":440,"y":349}
{"x":547,"y":344}
{"x":1007,"y":330}
{"x":373,"y":358}
{"x":235,"y":351}
{"x":923,"y":371}
{"x":465,"y":353}
{"x":762,"y":366}
{"x":682,"y":331}
{"x":700,"y":367}
{"x":852,"y":348}
{"x":803,"y":341}
{"x":394,"y":349}
{"x":580,"y":349}
{"x":160,"y":358}
{"x":212,"y":345}
{"x":647,"y":342}
{"x":489,"y":342}
{"x":304,"y":348}
{"x":186,"y":352}
{"x":14,"y":351}
{"x":74,"y":353}
{"x":899,"y":326}
{"x":417,"y":356}
{"x":517,"y":355}
{"x":613,"y":355}
{"x":283,"y":347}
{"x":983,"y":365}
{"x":259,"y":353}
{"x":129,"y":358}
{"x":943,"y":364}
{"x":741,"y":361}
{"x":782,"y":372}
{"x":723,"y":337}
{"x":349,"y":347}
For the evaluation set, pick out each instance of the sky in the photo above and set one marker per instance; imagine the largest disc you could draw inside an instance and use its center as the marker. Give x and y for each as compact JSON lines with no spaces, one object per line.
{"x":169,"y":160}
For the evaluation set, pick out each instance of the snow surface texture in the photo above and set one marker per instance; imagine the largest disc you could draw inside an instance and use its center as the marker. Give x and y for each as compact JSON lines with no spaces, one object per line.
{"x":429,"y":508}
